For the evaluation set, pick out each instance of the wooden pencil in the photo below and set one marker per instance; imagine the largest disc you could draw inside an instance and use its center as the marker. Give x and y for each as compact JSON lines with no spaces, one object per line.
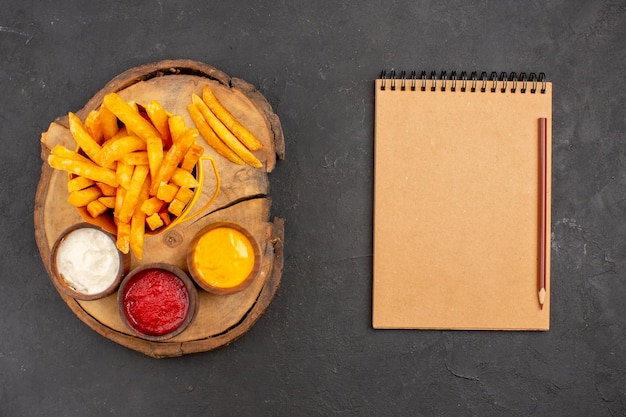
{"x":543,"y":122}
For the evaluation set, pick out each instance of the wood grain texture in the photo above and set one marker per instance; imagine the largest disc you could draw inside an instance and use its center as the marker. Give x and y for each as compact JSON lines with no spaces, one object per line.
{"x":243,"y":198}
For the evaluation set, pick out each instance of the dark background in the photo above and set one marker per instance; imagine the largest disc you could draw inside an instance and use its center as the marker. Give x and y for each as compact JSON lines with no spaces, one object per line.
{"x":314,"y":352}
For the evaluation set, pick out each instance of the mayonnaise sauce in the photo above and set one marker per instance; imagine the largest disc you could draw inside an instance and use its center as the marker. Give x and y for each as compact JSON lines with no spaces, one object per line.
{"x":88,"y":260}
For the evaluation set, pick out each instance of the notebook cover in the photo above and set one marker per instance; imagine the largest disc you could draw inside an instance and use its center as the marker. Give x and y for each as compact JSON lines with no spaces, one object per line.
{"x":457,"y":209}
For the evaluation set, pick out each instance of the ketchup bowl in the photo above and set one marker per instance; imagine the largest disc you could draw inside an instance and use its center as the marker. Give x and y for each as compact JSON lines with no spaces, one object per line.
{"x":86,"y":264}
{"x":157,"y":301}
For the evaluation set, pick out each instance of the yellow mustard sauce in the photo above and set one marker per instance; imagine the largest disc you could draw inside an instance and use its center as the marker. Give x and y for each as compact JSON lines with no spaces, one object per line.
{"x":223,"y":257}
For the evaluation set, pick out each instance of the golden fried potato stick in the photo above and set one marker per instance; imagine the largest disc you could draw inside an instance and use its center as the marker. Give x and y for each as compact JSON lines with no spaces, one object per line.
{"x":63,"y":152}
{"x":177,"y":126}
{"x":138,"y":223}
{"x":107,"y":190}
{"x":129,"y":116}
{"x":83,"y":139}
{"x":132,"y":194}
{"x":173,"y":157}
{"x":191,"y":157}
{"x":184,"y":194}
{"x":119,"y":201}
{"x":108,"y":201}
{"x":115,"y":149}
{"x":108,"y":123}
{"x":184,"y":178}
{"x":176,"y":207}
{"x":123,"y":237}
{"x":159,"y":118}
{"x":167,"y":191}
{"x":93,"y":126}
{"x":154,"y":221}
{"x":122,"y":131}
{"x":155,"y":154}
{"x":151,"y":206}
{"x":84,"y":169}
{"x":79,"y":183}
{"x":81,"y":198}
{"x":124,"y":173}
{"x":165,"y":216}
{"x":210,"y":136}
{"x":136,"y":158}
{"x":95,"y":208}
{"x":244,"y":135}
{"x":223,"y":133}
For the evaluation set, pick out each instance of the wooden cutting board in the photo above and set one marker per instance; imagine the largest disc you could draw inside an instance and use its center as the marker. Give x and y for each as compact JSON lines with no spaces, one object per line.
{"x":243,"y":197}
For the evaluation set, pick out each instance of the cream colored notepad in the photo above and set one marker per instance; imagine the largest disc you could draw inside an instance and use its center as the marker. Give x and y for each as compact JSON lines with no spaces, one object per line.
{"x":457,"y":204}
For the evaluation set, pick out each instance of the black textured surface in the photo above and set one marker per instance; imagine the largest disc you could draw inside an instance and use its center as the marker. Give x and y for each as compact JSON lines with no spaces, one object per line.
{"x":314,"y":352}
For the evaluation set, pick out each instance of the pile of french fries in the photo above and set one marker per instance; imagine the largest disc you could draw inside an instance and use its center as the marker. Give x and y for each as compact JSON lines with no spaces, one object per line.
{"x":222,"y":130}
{"x":134,"y":161}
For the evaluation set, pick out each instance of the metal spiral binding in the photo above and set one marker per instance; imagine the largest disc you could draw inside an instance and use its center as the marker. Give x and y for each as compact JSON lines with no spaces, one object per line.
{"x":510,"y":81}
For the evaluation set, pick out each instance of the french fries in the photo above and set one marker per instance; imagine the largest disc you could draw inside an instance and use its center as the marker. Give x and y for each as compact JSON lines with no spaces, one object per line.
{"x":108,"y":123}
{"x":154,"y":221}
{"x":123,"y":237}
{"x":154,"y":146}
{"x":84,"y":169}
{"x":116,"y":148}
{"x":84,"y":139}
{"x":94,"y":127}
{"x":177,"y":126}
{"x":124,"y":173}
{"x":159,"y":118}
{"x":173,"y":157}
{"x":152,"y":206}
{"x":191,"y":157}
{"x":96,"y":208}
{"x":107,"y":201}
{"x":209,"y":135}
{"x":222,"y":130}
{"x":184,"y":194}
{"x":81,"y":198}
{"x":79,"y":183}
{"x":176,"y":207}
{"x":107,"y":190}
{"x":243,"y":134}
{"x":166,"y":192}
{"x":136,"y":158}
{"x":129,"y":116}
{"x":183,"y":178}
{"x":62,"y":152}
{"x":224,"y":134}
{"x":134,"y":161}
{"x":130,"y":167}
{"x":138,"y":222}
{"x":132,"y":194}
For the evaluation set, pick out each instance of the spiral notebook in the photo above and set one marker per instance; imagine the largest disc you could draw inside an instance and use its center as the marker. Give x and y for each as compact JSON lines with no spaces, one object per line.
{"x":462,"y":200}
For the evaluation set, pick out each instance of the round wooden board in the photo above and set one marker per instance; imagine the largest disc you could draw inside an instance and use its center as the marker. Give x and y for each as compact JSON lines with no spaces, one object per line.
{"x":242,"y":198}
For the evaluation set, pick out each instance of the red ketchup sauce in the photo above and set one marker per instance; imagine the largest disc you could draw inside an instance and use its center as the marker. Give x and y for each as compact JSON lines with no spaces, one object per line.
{"x":155,"y":302}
